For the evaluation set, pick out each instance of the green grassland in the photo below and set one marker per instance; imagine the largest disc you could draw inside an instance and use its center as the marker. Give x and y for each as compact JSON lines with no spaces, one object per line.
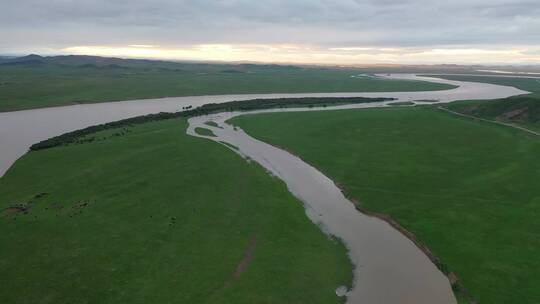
{"x":467,"y":189}
{"x":147,"y":214}
{"x":520,"y":110}
{"x":41,"y":82}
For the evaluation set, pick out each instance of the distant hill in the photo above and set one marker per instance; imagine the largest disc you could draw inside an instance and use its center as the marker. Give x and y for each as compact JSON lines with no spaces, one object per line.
{"x":84,"y":61}
{"x":4,"y":58}
{"x":25,"y":60}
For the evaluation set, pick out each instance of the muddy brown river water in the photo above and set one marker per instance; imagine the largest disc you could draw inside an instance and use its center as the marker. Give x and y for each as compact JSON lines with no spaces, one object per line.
{"x":389,"y":268}
{"x":20,"y":129}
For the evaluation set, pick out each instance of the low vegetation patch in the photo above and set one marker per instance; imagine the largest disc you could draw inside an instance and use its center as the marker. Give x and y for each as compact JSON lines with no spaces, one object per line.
{"x":204,"y":132}
{"x":401,"y":103}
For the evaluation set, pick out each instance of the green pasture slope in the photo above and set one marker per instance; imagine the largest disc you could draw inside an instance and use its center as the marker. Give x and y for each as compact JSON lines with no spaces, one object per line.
{"x":37,"y":82}
{"x":467,"y":189}
{"x":147,"y":214}
{"x":520,"y":110}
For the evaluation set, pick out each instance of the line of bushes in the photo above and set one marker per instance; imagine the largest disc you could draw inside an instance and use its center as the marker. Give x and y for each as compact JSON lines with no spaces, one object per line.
{"x":243,"y":105}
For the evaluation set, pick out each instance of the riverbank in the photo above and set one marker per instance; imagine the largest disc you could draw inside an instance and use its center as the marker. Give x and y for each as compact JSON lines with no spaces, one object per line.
{"x":517,"y":111}
{"x":372,"y":244}
{"x":431,"y":173}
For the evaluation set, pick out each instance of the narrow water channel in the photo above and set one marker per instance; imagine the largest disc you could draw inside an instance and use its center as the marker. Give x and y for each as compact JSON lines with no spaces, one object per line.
{"x":388,"y":267}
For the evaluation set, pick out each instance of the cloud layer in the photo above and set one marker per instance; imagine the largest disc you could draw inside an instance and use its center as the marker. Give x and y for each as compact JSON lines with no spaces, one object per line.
{"x":338,"y":31}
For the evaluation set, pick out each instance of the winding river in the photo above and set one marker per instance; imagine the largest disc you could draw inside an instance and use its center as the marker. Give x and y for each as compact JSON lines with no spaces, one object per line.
{"x":389,"y":268}
{"x":20,"y":129}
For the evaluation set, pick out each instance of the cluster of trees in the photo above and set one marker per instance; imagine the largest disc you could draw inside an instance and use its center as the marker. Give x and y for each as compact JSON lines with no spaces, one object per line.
{"x":242,"y":105}
{"x":258,"y":104}
{"x":75,"y":136}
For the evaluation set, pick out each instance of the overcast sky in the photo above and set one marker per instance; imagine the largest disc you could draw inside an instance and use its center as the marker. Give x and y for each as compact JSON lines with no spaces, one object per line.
{"x":315,"y":31}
